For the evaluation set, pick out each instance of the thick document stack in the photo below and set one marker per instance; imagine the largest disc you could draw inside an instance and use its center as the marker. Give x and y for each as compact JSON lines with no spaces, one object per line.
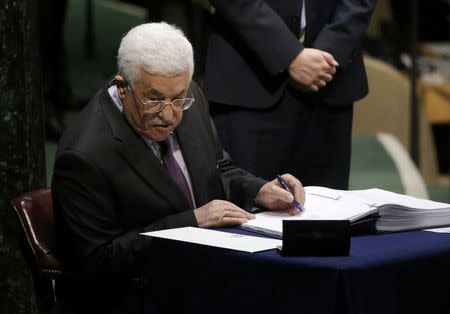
{"x":400,"y":212}
{"x":394,"y":212}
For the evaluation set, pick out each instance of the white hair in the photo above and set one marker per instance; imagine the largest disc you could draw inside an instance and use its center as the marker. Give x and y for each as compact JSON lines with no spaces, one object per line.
{"x":159,"y":48}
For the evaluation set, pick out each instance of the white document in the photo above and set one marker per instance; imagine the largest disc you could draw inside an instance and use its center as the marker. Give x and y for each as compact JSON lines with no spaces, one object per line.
{"x":382,"y":197}
{"x":215,"y":238}
{"x":439,"y":230}
{"x":398,"y":212}
{"x":320,"y":204}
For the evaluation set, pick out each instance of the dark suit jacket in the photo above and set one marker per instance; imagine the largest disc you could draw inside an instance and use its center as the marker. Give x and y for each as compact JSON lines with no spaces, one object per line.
{"x":108,"y":186}
{"x":252,"y":42}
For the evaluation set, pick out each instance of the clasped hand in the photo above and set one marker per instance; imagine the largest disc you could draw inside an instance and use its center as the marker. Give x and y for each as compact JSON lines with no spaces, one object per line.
{"x":220,"y":213}
{"x":312,"y":69}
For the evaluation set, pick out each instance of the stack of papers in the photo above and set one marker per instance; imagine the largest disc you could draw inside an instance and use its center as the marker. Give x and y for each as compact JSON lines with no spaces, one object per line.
{"x":397,"y":212}
{"x":400,"y":212}
{"x":320,"y":204}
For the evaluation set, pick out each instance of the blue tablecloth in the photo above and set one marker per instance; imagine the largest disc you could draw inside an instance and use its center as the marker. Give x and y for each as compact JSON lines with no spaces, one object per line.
{"x":406,"y":272}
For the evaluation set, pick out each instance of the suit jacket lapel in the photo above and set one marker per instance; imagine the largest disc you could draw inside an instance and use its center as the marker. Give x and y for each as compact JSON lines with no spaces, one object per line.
{"x":190,"y":148}
{"x":196,"y":153}
{"x":141,"y":157}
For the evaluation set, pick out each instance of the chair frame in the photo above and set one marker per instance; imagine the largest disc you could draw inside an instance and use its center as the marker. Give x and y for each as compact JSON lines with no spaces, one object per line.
{"x":45,"y":265}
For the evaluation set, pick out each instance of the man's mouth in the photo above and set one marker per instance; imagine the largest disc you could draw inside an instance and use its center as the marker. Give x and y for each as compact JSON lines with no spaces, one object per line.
{"x":163,"y":127}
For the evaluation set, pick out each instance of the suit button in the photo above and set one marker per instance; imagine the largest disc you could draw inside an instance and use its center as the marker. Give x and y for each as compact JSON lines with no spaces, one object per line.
{"x":294,"y":21}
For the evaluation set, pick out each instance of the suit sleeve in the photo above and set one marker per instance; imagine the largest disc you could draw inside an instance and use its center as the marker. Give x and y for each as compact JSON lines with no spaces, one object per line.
{"x":262,"y":30}
{"x":342,"y":35}
{"x":86,"y":208}
{"x":241,"y":187}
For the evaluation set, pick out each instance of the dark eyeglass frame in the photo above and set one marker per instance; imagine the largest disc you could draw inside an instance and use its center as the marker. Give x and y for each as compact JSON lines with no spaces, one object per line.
{"x":155,"y":106}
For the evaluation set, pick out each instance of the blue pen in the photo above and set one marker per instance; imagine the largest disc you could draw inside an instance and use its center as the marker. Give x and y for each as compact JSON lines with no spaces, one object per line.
{"x":285,"y":186}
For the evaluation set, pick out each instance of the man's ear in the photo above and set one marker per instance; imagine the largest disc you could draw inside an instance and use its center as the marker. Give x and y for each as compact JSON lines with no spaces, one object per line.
{"x":121,"y":85}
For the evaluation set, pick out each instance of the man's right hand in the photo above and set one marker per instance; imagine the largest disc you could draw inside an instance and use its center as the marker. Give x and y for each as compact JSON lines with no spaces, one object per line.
{"x":312,"y":69}
{"x":219,"y":213}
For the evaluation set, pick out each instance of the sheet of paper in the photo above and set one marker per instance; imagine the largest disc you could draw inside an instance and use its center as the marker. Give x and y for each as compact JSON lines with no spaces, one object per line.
{"x":386,"y":197}
{"x":439,"y":230}
{"x":215,"y":238}
{"x":327,"y":204}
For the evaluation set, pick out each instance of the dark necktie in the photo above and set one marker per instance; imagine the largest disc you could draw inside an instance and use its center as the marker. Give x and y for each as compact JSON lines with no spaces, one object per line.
{"x":174,"y":170}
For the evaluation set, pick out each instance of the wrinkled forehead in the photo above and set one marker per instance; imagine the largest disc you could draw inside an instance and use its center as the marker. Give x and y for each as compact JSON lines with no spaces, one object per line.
{"x":162,"y":84}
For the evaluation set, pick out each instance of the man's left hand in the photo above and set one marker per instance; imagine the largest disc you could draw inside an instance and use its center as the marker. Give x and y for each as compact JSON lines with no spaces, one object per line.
{"x":273,"y":197}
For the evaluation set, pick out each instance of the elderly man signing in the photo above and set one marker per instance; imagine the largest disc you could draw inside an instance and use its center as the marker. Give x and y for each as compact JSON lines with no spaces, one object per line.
{"x":143,"y":155}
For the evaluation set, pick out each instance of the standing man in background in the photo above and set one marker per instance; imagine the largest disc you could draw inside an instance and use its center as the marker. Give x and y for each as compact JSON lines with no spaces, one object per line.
{"x":281,"y":78}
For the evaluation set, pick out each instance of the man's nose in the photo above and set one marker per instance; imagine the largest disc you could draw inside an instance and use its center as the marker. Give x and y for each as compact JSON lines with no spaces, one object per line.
{"x":167,"y":112}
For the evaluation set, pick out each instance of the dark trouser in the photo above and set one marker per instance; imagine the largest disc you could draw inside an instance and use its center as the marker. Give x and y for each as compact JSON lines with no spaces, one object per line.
{"x":309,"y":140}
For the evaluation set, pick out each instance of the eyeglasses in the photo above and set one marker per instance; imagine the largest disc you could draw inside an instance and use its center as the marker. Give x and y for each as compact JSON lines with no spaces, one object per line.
{"x":155,"y":106}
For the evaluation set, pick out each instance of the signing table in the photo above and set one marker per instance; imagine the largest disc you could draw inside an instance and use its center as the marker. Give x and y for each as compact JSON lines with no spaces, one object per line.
{"x":407,"y":272}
